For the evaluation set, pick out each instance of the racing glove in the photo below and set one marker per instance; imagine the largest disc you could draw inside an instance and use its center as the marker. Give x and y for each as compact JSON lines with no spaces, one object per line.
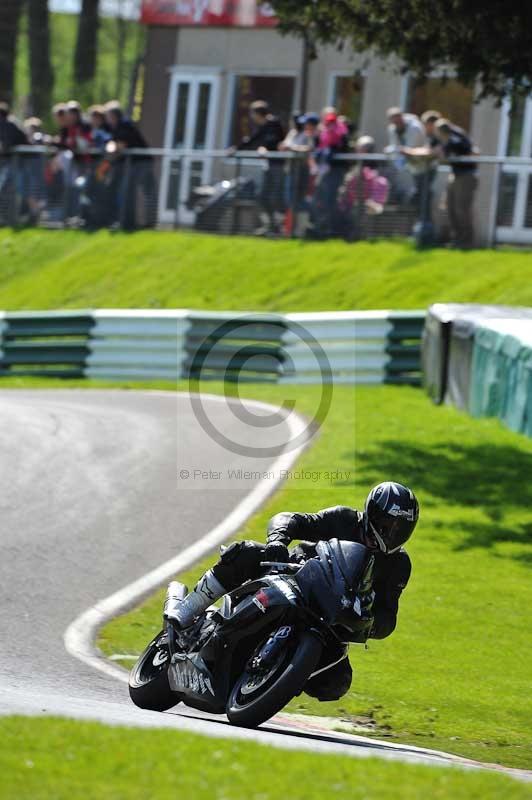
{"x":276,"y":551}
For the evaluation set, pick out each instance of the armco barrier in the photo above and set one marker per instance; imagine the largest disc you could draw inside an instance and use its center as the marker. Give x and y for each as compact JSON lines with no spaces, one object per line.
{"x":45,"y":343}
{"x":137,"y":345}
{"x":345,"y":347}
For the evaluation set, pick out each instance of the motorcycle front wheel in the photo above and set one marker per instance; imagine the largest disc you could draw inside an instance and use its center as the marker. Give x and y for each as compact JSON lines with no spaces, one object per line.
{"x":148,"y":680}
{"x":257,"y":697}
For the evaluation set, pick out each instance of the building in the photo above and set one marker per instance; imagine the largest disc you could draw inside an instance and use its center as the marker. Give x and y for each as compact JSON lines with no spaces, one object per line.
{"x":207,"y":59}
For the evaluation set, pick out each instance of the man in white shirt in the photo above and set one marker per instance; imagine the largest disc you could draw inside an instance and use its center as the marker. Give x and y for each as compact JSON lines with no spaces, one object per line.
{"x":406,"y":132}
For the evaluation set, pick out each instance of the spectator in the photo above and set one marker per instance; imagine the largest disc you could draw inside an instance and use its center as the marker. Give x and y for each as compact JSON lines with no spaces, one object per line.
{"x":363,"y":191}
{"x":59,"y":116}
{"x":303,"y":140}
{"x":11,"y":134}
{"x":431,"y":149}
{"x":267,"y":137}
{"x":429,"y":120}
{"x":124,"y":132}
{"x":311,"y":122}
{"x":35,"y":189}
{"x":11,"y":184}
{"x":294,"y":133}
{"x":407,"y":138}
{"x":332,"y":140}
{"x":100,"y":132}
{"x":77,"y":134}
{"x":304,"y":137}
{"x":74,"y":161}
{"x":34,"y":131}
{"x":268,"y":133}
{"x":461,"y":184}
{"x":132,"y":173}
{"x":57,"y":169}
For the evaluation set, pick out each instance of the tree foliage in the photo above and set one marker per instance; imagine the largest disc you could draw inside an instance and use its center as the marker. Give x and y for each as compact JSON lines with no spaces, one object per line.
{"x":10,"y":11}
{"x":41,"y":72}
{"x":489,"y":43}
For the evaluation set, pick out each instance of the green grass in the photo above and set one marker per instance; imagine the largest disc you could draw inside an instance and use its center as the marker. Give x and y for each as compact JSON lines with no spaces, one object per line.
{"x":63,"y":38}
{"x":73,"y":269}
{"x":53,"y":759}
{"x":456,"y":673}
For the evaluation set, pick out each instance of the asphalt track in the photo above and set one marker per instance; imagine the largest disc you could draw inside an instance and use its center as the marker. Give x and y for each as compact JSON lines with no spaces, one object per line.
{"x":93,"y":499}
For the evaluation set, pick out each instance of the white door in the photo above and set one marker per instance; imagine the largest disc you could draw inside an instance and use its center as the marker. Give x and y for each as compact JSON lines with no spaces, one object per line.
{"x":514,"y":218}
{"x":190,"y":125}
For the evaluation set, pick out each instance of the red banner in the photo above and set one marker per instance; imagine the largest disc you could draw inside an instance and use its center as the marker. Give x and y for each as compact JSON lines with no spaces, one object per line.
{"x":231,"y":13}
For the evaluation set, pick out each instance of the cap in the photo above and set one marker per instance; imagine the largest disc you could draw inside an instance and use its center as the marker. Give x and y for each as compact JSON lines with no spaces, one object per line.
{"x":330,"y":117}
{"x":394,"y":111}
{"x":310,"y":118}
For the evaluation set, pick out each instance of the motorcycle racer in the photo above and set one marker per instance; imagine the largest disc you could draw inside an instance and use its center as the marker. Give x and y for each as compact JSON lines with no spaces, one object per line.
{"x":388,"y":520}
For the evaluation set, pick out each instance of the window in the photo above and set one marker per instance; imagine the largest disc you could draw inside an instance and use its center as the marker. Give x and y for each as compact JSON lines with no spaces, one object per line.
{"x":516,"y":118}
{"x":277,"y":91}
{"x":181,"y":115}
{"x":450,"y":97}
{"x":202,"y":115}
{"x":507,"y":192}
{"x":348,"y":91}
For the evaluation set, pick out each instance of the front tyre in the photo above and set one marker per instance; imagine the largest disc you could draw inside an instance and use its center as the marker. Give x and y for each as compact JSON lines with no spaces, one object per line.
{"x":148,"y":680}
{"x":254,"y":699}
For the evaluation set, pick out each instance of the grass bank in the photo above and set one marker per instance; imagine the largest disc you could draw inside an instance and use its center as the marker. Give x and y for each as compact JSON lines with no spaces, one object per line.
{"x":73,"y":269}
{"x":53,"y":759}
{"x":456,"y":673}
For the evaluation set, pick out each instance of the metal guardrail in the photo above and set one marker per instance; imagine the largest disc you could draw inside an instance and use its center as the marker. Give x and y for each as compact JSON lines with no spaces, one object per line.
{"x":270,"y":155}
{"x":368,"y":347}
{"x":354,"y":196}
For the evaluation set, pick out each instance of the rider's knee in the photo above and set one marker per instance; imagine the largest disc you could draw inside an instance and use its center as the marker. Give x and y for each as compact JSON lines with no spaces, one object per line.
{"x":331,"y":684}
{"x":238,"y":562}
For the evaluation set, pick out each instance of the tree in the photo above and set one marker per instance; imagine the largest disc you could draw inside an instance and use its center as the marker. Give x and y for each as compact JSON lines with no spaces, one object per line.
{"x":489,"y":43}
{"x":41,"y":72}
{"x":85,"y":54}
{"x":10,"y":11}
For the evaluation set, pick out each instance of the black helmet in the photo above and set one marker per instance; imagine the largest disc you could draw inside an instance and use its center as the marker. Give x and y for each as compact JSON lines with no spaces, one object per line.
{"x":391,"y":512}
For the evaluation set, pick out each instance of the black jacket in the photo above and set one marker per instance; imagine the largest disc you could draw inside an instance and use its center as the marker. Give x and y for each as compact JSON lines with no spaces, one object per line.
{"x":11,"y":134}
{"x":459,"y":144}
{"x":129,"y":134}
{"x":391,"y":572}
{"x":268,"y":135}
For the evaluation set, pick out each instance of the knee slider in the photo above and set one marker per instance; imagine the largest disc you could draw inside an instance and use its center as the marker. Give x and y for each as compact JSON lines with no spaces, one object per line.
{"x":231,"y":552}
{"x":241,"y":551}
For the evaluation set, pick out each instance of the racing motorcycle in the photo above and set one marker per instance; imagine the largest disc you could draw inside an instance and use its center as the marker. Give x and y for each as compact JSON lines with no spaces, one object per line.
{"x":251,"y":656}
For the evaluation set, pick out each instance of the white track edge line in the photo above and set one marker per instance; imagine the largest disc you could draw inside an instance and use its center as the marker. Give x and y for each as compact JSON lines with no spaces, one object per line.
{"x":79,"y":638}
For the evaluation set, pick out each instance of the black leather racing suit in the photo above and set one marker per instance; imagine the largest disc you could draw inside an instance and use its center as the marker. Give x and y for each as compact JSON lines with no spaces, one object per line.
{"x":241,"y":561}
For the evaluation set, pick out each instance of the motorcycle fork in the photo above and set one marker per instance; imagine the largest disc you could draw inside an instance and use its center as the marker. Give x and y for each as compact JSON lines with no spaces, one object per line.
{"x":276,"y":642}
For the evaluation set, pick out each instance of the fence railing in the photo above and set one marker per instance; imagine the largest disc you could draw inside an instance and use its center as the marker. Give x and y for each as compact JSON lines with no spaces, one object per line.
{"x":367,"y":347}
{"x":354,"y":196}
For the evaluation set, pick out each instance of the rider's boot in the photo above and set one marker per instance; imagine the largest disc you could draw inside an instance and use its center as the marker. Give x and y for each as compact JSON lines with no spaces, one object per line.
{"x":207,"y":591}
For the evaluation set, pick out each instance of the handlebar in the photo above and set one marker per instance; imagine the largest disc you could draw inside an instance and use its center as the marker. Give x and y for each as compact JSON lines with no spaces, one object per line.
{"x":281,"y":565}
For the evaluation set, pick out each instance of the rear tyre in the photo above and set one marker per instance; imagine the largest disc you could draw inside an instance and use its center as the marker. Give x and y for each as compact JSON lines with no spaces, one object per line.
{"x":148,"y":680}
{"x":248,"y":707}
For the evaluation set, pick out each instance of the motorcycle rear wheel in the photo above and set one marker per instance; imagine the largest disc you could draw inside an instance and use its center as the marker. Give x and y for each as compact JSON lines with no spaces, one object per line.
{"x":250,"y":709}
{"x":148,"y":679}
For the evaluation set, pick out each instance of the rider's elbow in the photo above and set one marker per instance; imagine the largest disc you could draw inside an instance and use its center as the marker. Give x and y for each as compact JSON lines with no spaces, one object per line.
{"x":383,"y":626}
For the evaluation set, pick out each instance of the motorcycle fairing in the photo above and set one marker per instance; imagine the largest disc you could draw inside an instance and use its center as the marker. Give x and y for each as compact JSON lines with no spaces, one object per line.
{"x":193,"y":673}
{"x":329,"y":581}
{"x":188,"y":673}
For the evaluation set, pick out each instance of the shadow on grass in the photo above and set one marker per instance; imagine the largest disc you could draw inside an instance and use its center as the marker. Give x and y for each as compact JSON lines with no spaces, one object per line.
{"x":494,"y":479}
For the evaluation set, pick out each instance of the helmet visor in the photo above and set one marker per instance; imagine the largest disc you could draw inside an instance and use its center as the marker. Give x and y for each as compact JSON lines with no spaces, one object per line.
{"x":392,"y":532}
